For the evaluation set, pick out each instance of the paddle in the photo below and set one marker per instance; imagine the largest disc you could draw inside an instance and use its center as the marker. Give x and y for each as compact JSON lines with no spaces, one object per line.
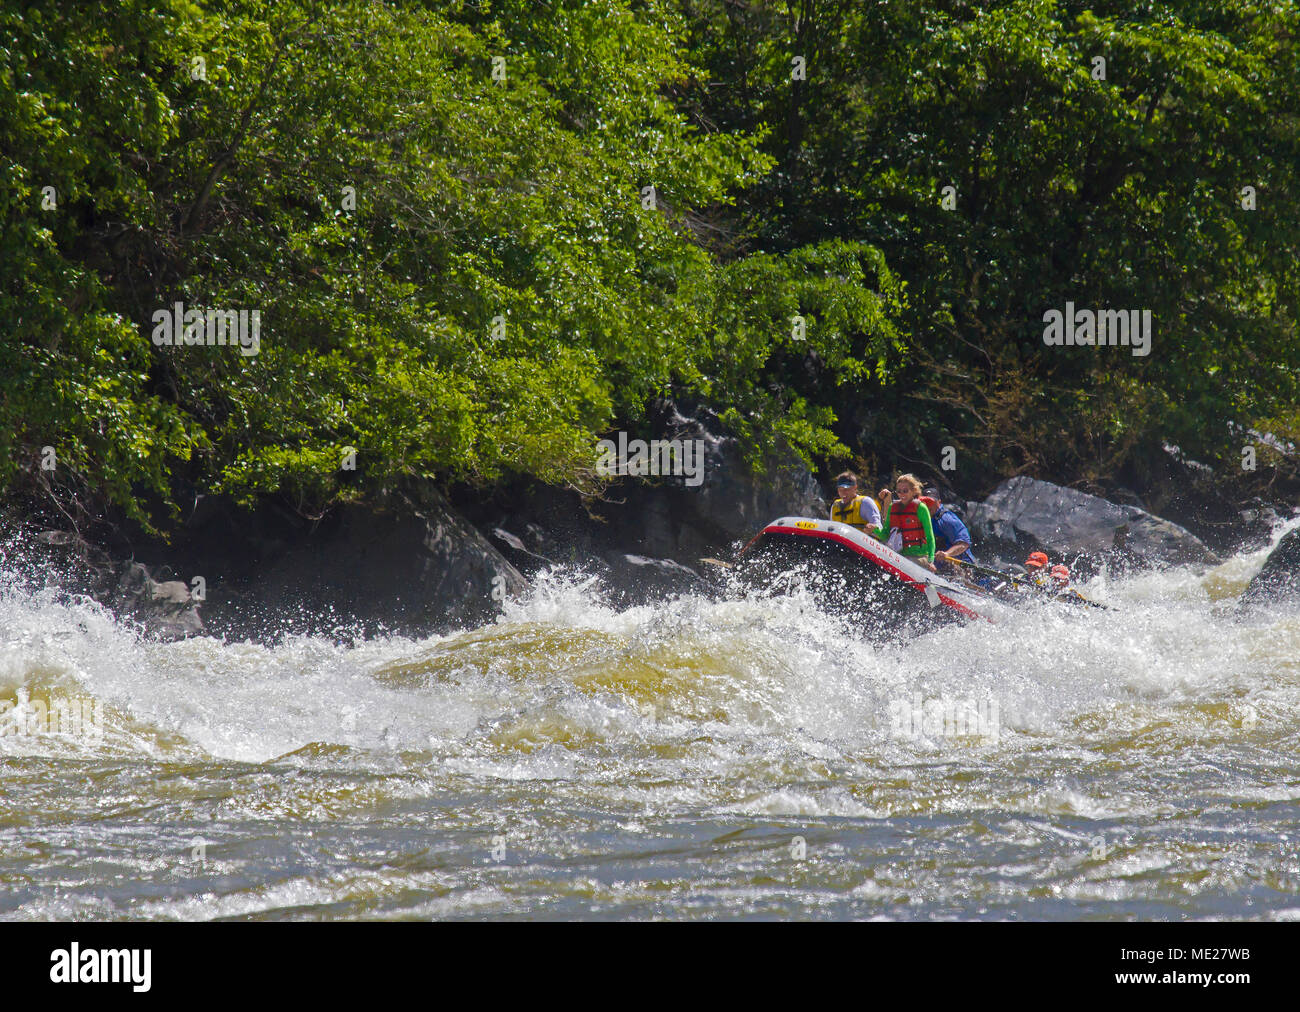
{"x":1023,"y":583}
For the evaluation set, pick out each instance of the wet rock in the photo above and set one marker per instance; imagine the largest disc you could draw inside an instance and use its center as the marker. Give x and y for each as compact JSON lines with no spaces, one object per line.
{"x":662,"y":517}
{"x":172,"y":593}
{"x":1279,"y":579}
{"x":166,"y":610}
{"x":639,"y":579}
{"x":1024,"y":515}
{"x":1258,"y":519}
{"x":1121,"y":496}
{"x":206,"y":510}
{"x":178,"y":626}
{"x":728,"y":503}
{"x":410,"y":569}
{"x":521,"y":557}
{"x":161,"y":608}
{"x":734,"y":502}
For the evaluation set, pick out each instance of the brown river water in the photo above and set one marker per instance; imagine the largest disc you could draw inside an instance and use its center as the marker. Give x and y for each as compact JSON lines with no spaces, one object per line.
{"x":750,"y":757}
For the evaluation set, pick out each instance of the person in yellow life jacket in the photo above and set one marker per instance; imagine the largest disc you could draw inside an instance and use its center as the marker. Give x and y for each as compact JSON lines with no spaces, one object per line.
{"x":911,"y":518}
{"x":860,"y":511}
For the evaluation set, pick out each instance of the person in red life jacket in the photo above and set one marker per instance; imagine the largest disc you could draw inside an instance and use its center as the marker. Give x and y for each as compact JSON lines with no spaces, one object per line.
{"x":860,"y":511}
{"x":911,"y":518}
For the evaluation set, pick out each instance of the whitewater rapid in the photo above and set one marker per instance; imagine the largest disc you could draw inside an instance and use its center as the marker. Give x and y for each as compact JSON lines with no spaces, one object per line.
{"x":744,"y":757}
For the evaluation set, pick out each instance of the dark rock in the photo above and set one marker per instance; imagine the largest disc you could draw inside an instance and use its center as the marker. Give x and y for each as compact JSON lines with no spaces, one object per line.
{"x":173,"y":593}
{"x":519,"y":555}
{"x":735,"y":502}
{"x":656,"y":517}
{"x":1027,"y":515}
{"x":1259,"y":513}
{"x":672,"y":519}
{"x":206,"y":510}
{"x":413,"y":568}
{"x":1126,"y":497}
{"x":165,"y":610}
{"x":406,"y":569}
{"x":637,"y":579}
{"x":510,"y":540}
{"x":1279,"y":579}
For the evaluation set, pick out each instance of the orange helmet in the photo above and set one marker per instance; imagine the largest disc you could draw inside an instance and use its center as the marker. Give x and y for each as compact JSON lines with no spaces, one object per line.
{"x":1036,"y":559}
{"x":1061,"y":573}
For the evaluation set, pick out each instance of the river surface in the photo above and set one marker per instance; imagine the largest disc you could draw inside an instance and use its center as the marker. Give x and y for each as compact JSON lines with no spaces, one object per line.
{"x":746,"y":758}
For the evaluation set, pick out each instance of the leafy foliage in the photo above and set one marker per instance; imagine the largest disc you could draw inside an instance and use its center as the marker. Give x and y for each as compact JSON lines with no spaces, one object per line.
{"x":1121,"y":191}
{"x":480,"y":235}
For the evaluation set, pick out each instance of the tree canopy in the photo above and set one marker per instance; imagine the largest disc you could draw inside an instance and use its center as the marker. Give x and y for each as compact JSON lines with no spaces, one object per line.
{"x":479,"y":235}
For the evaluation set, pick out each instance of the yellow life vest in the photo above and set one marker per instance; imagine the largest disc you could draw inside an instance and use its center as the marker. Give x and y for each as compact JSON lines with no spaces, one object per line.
{"x":850,"y":513}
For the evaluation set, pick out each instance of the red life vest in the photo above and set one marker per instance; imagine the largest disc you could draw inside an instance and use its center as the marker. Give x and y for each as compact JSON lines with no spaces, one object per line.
{"x":904,"y":520}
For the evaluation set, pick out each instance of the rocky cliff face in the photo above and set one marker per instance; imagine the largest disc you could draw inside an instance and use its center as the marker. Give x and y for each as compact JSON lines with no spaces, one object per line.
{"x":416,"y":571}
{"x":1024,"y":515}
{"x":646,"y":538}
{"x":419,"y":563}
{"x":164,"y":609}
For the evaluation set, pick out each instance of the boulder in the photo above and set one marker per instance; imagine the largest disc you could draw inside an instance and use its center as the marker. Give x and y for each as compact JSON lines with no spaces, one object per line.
{"x":408,"y":566}
{"x":1028,"y":515}
{"x":638,"y":579}
{"x":165,"y":610}
{"x":734,"y":502}
{"x":730,"y":501}
{"x":513,"y":548}
{"x":414,"y":569}
{"x":1279,"y":579}
{"x":662,"y":518}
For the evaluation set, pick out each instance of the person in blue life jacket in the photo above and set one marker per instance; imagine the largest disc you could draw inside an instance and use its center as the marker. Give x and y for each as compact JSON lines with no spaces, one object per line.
{"x":952,"y":540}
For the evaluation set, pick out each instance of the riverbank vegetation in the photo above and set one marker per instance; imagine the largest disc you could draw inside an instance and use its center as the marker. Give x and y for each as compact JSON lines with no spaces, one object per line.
{"x":480,"y":235}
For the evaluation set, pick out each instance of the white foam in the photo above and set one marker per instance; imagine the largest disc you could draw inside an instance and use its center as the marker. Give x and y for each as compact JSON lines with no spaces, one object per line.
{"x":759,"y":676}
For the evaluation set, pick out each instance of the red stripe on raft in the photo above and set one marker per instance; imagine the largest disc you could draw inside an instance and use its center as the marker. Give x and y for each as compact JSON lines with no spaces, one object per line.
{"x":804,"y":532}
